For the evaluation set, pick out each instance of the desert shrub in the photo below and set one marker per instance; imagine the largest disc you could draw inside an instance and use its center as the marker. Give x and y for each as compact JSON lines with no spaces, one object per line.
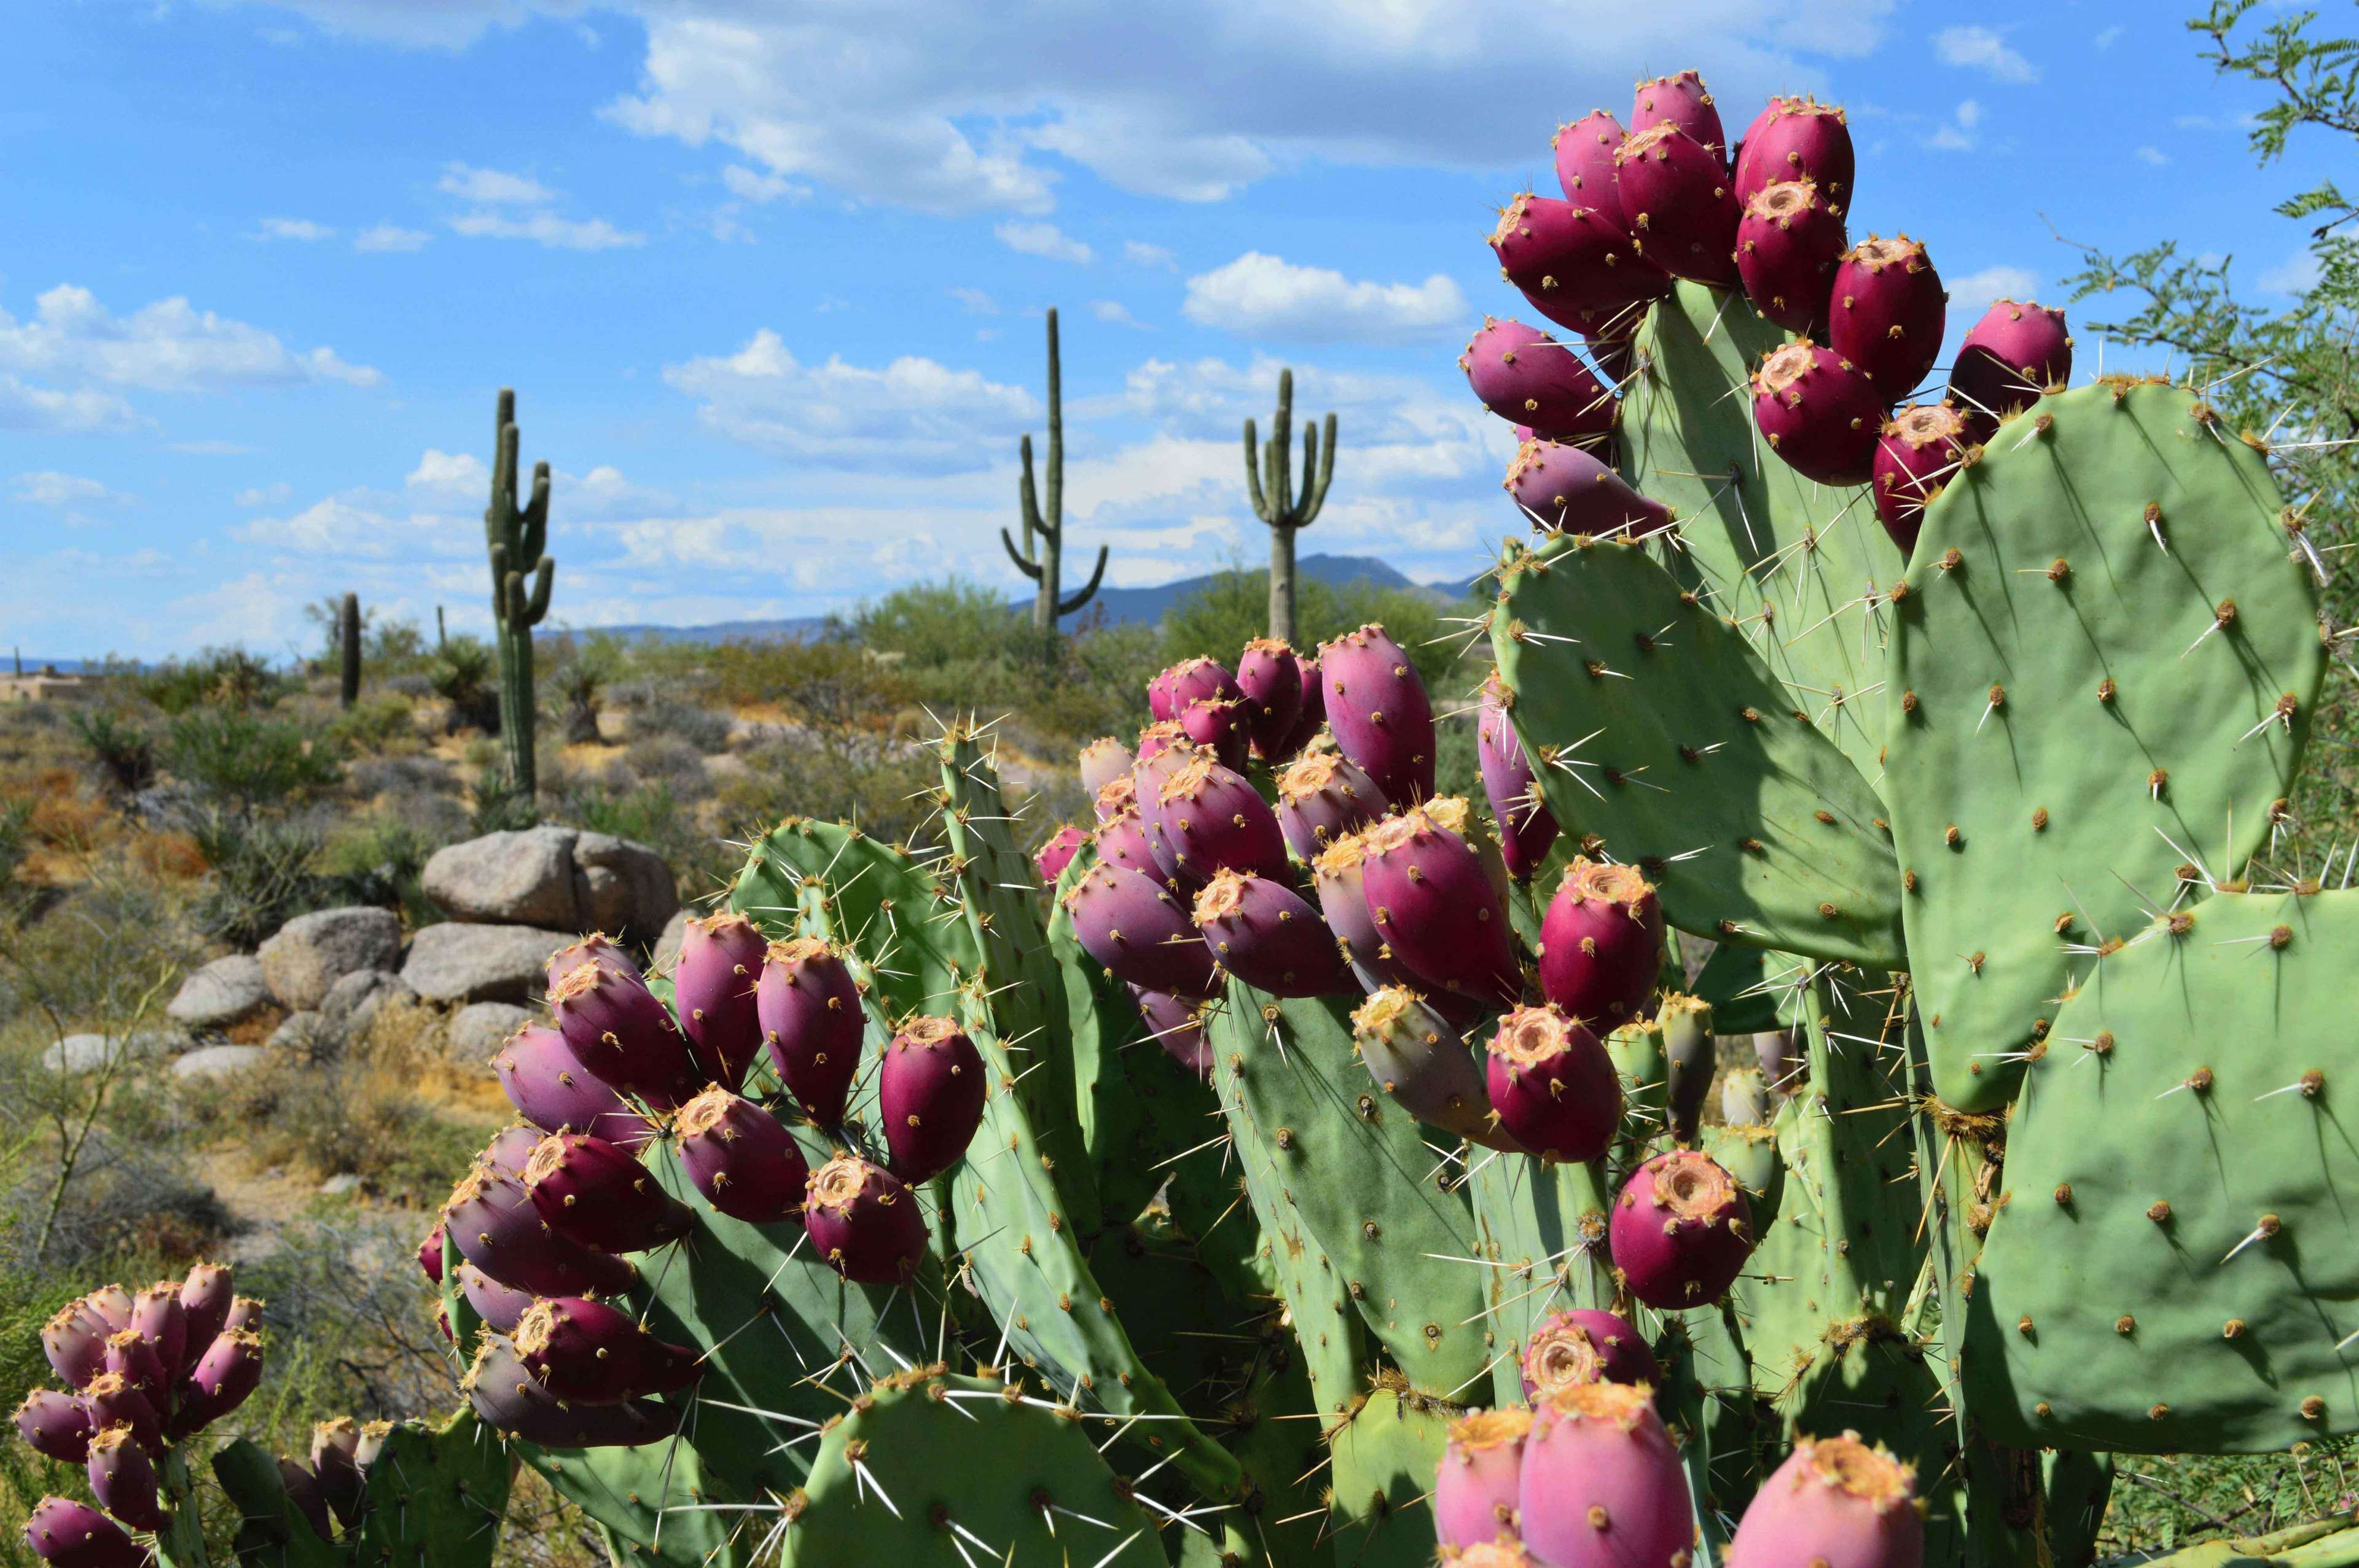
{"x":498,"y":807}
{"x":377,"y":723}
{"x":667,"y":761}
{"x":16,"y":839}
{"x":884,"y":786}
{"x":124,"y":751}
{"x":263,"y":872}
{"x":832,"y":681}
{"x":247,"y":761}
{"x":382,"y":860}
{"x":941,"y":623}
{"x":705,"y":728}
{"x":464,"y":675}
{"x":225,"y":677}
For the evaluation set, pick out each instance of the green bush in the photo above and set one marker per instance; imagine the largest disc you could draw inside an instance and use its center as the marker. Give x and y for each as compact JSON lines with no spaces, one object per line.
{"x":941,"y":623}
{"x":381,"y":862}
{"x":227,"y":678}
{"x":124,"y":751}
{"x":264,"y":873}
{"x":463,"y":676}
{"x":235,"y":756}
{"x":375,"y":724}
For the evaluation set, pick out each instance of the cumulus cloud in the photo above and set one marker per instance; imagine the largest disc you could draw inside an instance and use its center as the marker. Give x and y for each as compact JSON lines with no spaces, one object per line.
{"x":1115,"y":313}
{"x":52,"y":411}
{"x":385,"y":237}
{"x":545,"y":229}
{"x":1958,"y":135}
{"x":169,"y":346}
{"x":1980,"y":49}
{"x":492,"y":187}
{"x":1266,"y":296}
{"x":1043,"y":240}
{"x":753,"y":185}
{"x":301,"y":229}
{"x":1139,"y":252}
{"x":48,"y":487}
{"x":1970,"y":296}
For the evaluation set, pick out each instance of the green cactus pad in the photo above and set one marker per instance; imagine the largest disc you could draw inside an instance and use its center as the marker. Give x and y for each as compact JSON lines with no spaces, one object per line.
{"x":1387,"y":1451}
{"x":2103,"y":618}
{"x":1529,"y":1219}
{"x":434,"y":1500}
{"x":1682,"y":752}
{"x":2105,"y":1309}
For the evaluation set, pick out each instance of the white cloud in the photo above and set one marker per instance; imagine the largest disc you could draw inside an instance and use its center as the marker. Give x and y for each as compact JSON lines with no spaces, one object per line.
{"x":1980,"y":49}
{"x":912,"y":413}
{"x":50,"y":411}
{"x":1971,"y":294}
{"x":2297,"y":275}
{"x":546,"y":229}
{"x":977,"y":301}
{"x":48,"y":487}
{"x":1259,"y":296}
{"x":1114,"y":312}
{"x":1139,"y":252}
{"x":265,"y":494}
{"x":491,"y":186}
{"x":169,"y":346}
{"x":2106,"y":39}
{"x":454,"y":474}
{"x":2154,"y":155}
{"x":1958,"y":135}
{"x":390,"y":237}
{"x":1043,"y":240}
{"x":752,"y":185}
{"x":302,"y":229}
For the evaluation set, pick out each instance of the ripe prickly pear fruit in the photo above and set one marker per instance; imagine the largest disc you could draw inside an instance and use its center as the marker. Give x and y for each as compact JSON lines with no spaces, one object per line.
{"x":1564,"y":490}
{"x":1886,"y":312}
{"x":2012,"y":356}
{"x":1140,"y":932}
{"x":1834,"y":1500}
{"x":589,"y":1353}
{"x":1263,"y":932}
{"x":1584,"y":163}
{"x":334,"y":1444}
{"x":205,"y":1297}
{"x":1323,"y":796}
{"x":1681,"y":1230}
{"x":1797,"y":138}
{"x":498,"y":1306}
{"x":930,"y":1088}
{"x":544,"y":1078}
{"x":1378,"y":709}
{"x":1744,"y":1099}
{"x":1052,"y":857}
{"x":596,"y":950}
{"x":863,"y":1222}
{"x":1683,"y":212}
{"x":113,"y":1401}
{"x":712,"y":991}
{"x":1601,"y":1485}
{"x":493,"y":1223}
{"x":1920,"y":450}
{"x":809,"y":1009}
{"x":591,"y":1192}
{"x":1820,"y":413}
{"x":74,"y":1341}
{"x":1219,"y":726}
{"x":135,"y":1360}
{"x":1122,"y":842}
{"x":157,"y":1317}
{"x":1577,"y":265}
{"x":1210,"y":819}
{"x":1500,"y":1554}
{"x":302,"y":1489}
{"x":1683,"y":100}
{"x":1337,"y":880}
{"x":1419,"y":1058}
{"x":57,"y":1426}
{"x":1526,"y":377}
{"x":1115,"y":795}
{"x":1159,"y":761}
{"x":1199,"y":680}
{"x":1176,"y":1023}
{"x":1435,"y":907}
{"x":1102,"y":760}
{"x":741,"y":1158}
{"x":1787,"y":246}
{"x":75,"y":1535}
{"x":244,"y":1311}
{"x":1552,"y":1086}
{"x":1690,"y":1056}
{"x":111,"y":1305}
{"x":1580,"y":1345}
{"x":222,"y":1379}
{"x":1526,"y":828}
{"x":1312,"y":713}
{"x":123,"y":1479}
{"x":1601,"y":944}
{"x":1475,"y":1490}
{"x":1270,"y":677}
{"x":623,"y":1034}
{"x":509,"y":1399}
{"x":510,"y":1149}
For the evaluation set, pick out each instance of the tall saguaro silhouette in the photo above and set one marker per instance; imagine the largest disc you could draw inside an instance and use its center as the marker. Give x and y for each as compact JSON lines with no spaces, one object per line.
{"x":1044,"y":561}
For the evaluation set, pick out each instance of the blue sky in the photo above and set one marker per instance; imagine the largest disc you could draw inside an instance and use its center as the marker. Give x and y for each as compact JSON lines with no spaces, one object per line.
{"x":767,"y":276}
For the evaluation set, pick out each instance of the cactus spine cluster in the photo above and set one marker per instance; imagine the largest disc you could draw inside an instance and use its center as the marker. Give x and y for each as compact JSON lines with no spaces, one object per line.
{"x":1278,"y":501}
{"x":1042,"y":557}
{"x":521,"y":570}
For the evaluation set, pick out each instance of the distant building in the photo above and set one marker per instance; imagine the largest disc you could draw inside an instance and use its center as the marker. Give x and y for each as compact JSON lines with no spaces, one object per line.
{"x":46,"y":685}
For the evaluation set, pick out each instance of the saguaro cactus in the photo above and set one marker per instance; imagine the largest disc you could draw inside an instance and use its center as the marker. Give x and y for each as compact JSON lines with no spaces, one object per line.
{"x":348,"y":649}
{"x":515,"y":537}
{"x":1045,"y":562}
{"x":1269,"y":475}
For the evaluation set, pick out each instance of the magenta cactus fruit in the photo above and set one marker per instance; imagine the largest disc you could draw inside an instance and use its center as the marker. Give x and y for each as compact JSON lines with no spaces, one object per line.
{"x":740,"y":1157}
{"x":588,"y":1352}
{"x":1552,"y":1086}
{"x":1565,"y":489}
{"x":1601,"y":944}
{"x":1475,"y":1490}
{"x":302,"y":1489}
{"x":1156,"y":738}
{"x":1337,"y":879}
{"x":510,"y":1149}
{"x":1140,"y":932}
{"x":591,"y":1192}
{"x":596,"y":950}
{"x":1053,"y":857}
{"x":1681,"y":1230}
{"x":544,"y":1078}
{"x":75,"y":1535}
{"x":223,"y":1376}
{"x":1819,"y":412}
{"x":1797,"y":138}
{"x":1525,"y":376}
{"x":1199,"y":680}
{"x":1920,"y":450}
{"x":1682,"y":209}
{"x":1683,"y":100}
{"x":1787,"y":246}
{"x":1102,"y":760}
{"x":1500,"y":1554}
{"x":1601,"y":1485}
{"x":863,"y":1222}
{"x":56,"y":1426}
{"x":1436,"y":909}
{"x":1157,"y":766}
{"x":623,"y":1034}
{"x":494,"y":1225}
{"x":1219,"y":726}
{"x":1834,"y":1500}
{"x":1263,"y":932}
{"x":1270,"y":677}
{"x":342,"y":1483}
{"x":1122,"y":842}
{"x":497,"y":1304}
{"x":1311,"y":715}
{"x":1419,"y":1058}
{"x":508,"y":1398}
{"x":1115,"y":795}
{"x":1378,"y":709}
{"x":1577,"y":266}
{"x":1584,"y":163}
{"x":244,"y":1311}
{"x":74,"y":1342}
{"x":712,"y":991}
{"x":205,"y":1297}
{"x":811,"y":1023}
{"x":1887,"y":311}
{"x":113,"y":1401}
{"x":158,"y":1318}
{"x":1210,"y":819}
{"x":135,"y":1360}
{"x":1526,"y":828}
{"x":123,"y":1479}
{"x":111,"y":1307}
{"x":1322,"y":797}
{"x":1176,"y":1023}
{"x":930,"y":1088}
{"x":2011,"y":358}
{"x":1580,"y":1345}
